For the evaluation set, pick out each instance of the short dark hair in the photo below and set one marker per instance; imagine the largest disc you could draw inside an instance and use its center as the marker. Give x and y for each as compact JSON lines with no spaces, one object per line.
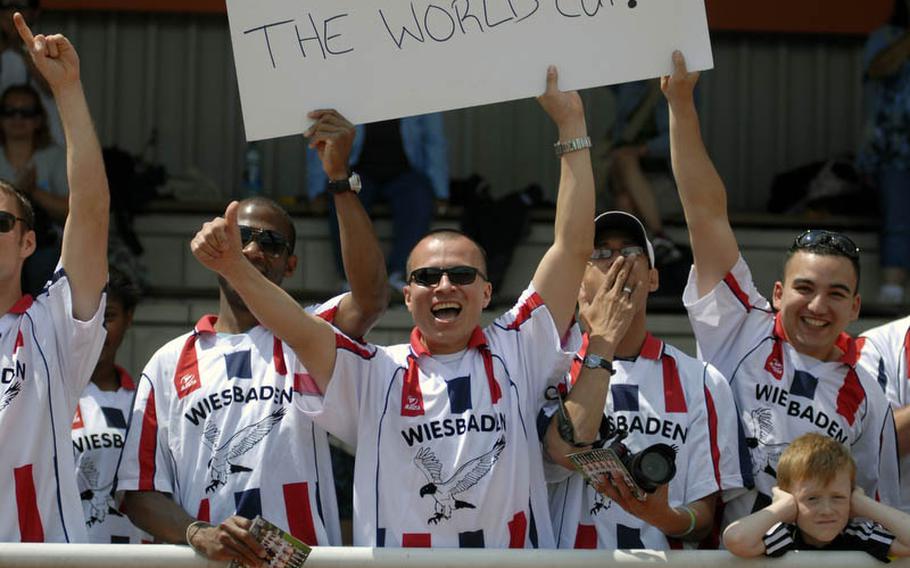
{"x":43,"y":136}
{"x":274,"y":206}
{"x":447,"y":234}
{"x":26,"y":211}
{"x":826,"y":247}
{"x":121,"y":287}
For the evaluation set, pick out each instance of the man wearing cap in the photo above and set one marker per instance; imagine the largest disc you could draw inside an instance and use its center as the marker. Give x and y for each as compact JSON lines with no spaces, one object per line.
{"x":628,"y":380}
{"x":792,"y":367}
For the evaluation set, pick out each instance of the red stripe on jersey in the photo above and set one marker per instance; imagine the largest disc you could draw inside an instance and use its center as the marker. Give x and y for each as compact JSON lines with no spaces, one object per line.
{"x":533,"y":302}
{"x":411,"y":395}
{"x":416,"y":540}
{"x":518,"y":529}
{"x":329,"y":314}
{"x":586,"y":536}
{"x":775,"y":362}
{"x":126,"y":381}
{"x":304,"y":384}
{"x":204,"y":513}
{"x":19,"y":342}
{"x":30,"y":527}
{"x":22,"y":305}
{"x":186,"y":374}
{"x":299,"y":512}
{"x":712,"y":435}
{"x":737,"y":290}
{"x":579,"y":359}
{"x":342,"y":342}
{"x":652,"y":348}
{"x":148,"y":445}
{"x":907,"y":353}
{"x":77,"y":420}
{"x":850,"y":396}
{"x":674,"y":397}
{"x":479,"y":341}
{"x":278,"y":357}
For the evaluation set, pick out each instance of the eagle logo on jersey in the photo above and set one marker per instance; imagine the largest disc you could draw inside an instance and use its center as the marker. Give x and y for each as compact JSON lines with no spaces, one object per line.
{"x":601,"y":503}
{"x":465,"y":478}
{"x":222,"y":462}
{"x":11,"y":393}
{"x":99,"y":497}
{"x":765,"y":451}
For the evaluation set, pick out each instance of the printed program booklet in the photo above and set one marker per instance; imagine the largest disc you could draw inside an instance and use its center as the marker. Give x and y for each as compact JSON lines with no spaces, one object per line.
{"x":284,"y":550}
{"x":596,"y":463}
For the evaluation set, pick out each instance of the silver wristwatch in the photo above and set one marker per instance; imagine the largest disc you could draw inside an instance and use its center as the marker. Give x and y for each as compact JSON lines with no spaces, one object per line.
{"x":352,"y":183}
{"x":572,"y":145}
{"x":592,"y":361}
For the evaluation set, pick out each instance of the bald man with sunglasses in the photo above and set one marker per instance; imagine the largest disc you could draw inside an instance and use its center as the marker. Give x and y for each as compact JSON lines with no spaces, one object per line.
{"x":214,"y":437}
{"x":792,"y":367}
{"x":50,"y":344}
{"x":447,"y":451}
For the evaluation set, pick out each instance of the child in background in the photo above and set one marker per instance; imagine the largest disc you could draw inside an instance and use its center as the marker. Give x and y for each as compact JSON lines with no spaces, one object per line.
{"x":817,"y":506}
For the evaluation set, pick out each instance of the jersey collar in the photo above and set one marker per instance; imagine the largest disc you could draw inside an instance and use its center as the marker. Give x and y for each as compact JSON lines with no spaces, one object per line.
{"x":22,"y":305}
{"x":206,"y":324}
{"x":419,"y":348}
{"x":126,"y":381}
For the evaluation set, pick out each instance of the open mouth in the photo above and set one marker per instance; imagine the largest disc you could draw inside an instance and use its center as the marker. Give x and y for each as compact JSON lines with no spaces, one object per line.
{"x":446,"y":311}
{"x":813,"y":322}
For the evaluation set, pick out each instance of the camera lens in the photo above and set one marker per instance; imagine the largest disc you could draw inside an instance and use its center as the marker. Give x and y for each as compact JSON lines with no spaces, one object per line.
{"x":653,"y":466}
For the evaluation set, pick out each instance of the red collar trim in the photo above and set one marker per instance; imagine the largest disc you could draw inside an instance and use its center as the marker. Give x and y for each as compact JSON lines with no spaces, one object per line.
{"x":652,"y":348}
{"x":22,"y":305}
{"x":126,"y":381}
{"x":846,"y":344}
{"x":206,"y":324}
{"x":478,"y":339}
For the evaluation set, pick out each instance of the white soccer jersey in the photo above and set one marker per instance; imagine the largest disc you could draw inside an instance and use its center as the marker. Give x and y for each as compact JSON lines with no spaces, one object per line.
{"x":662,"y":396}
{"x":47,"y":357}
{"x":782,"y":394}
{"x":99,"y":431}
{"x":214,"y":425}
{"x":885,"y":352}
{"x":447,"y":450}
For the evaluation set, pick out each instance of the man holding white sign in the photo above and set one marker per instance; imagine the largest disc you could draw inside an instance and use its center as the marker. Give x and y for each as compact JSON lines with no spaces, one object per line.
{"x":447,"y":452}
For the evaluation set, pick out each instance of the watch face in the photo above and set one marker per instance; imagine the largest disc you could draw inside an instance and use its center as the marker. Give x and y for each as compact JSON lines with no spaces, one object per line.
{"x":354,"y":180}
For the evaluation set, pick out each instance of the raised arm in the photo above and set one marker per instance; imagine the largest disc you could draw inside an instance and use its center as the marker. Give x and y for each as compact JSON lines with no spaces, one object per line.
{"x":702,"y":192}
{"x":217,"y":246}
{"x":559,"y":273}
{"x":897,"y":522}
{"x":84,"y":254}
{"x":606,"y":318}
{"x":745,"y":537}
{"x":332,"y":136}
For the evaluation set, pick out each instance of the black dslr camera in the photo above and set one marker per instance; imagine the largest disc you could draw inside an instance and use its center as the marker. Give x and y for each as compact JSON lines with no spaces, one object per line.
{"x":651,"y":467}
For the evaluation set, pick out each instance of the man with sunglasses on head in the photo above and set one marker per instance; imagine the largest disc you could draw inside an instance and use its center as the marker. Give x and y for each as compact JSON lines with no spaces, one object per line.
{"x":49,"y":344}
{"x":792,"y":367}
{"x":625,"y":379}
{"x":447,"y":453}
{"x":214,"y":438}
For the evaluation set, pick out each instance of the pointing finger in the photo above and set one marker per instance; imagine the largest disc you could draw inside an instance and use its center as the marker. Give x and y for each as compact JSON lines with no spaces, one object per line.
{"x":552,"y":79}
{"x":24,"y":31}
{"x":679,"y":64}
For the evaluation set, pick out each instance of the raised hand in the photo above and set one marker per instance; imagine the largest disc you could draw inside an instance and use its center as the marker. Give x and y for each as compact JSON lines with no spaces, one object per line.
{"x":785,"y":503}
{"x":217,"y":245}
{"x":679,"y":88}
{"x":332,"y":136}
{"x":563,"y":107}
{"x":54,"y":56}
{"x":608,"y":311}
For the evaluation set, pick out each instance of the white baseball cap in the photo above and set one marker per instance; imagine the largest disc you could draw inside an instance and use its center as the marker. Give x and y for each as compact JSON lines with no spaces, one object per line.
{"x":626,"y":223}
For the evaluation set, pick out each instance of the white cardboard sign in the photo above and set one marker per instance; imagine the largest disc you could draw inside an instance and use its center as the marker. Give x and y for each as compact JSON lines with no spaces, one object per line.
{"x":381,"y":59}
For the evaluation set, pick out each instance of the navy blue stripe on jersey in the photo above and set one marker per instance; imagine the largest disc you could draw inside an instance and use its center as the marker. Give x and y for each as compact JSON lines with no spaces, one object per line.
{"x":385,"y":409}
{"x":628,"y":537}
{"x":380,"y":537}
{"x":119,"y":539}
{"x":471,"y":539}
{"x":543,"y":424}
{"x":625,"y":397}
{"x":532,"y":527}
{"x":804,"y":385}
{"x":745,"y":456}
{"x":316,"y":469}
{"x":238,"y":365}
{"x":882,"y":375}
{"x":114,"y":418}
{"x":50,"y":407}
{"x":459,"y":390}
{"x":248,"y":503}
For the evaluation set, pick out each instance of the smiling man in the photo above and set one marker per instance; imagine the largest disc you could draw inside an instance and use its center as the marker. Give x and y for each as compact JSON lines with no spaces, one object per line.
{"x":792,"y":367}
{"x":447,"y":452}
{"x":214,"y":438}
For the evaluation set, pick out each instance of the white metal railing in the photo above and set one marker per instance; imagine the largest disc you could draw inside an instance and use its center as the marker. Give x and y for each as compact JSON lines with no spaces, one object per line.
{"x":171,"y":556}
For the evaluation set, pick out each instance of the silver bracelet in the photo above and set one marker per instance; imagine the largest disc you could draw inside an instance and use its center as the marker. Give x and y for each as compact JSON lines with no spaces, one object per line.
{"x":572,"y":145}
{"x":192,"y":529}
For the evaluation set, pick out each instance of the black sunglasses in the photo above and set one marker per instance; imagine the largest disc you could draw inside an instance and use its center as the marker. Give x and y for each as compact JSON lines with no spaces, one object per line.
{"x":271,"y":242}
{"x":8,"y":221}
{"x":10,"y":112}
{"x":820,"y":238}
{"x":458,"y":275}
